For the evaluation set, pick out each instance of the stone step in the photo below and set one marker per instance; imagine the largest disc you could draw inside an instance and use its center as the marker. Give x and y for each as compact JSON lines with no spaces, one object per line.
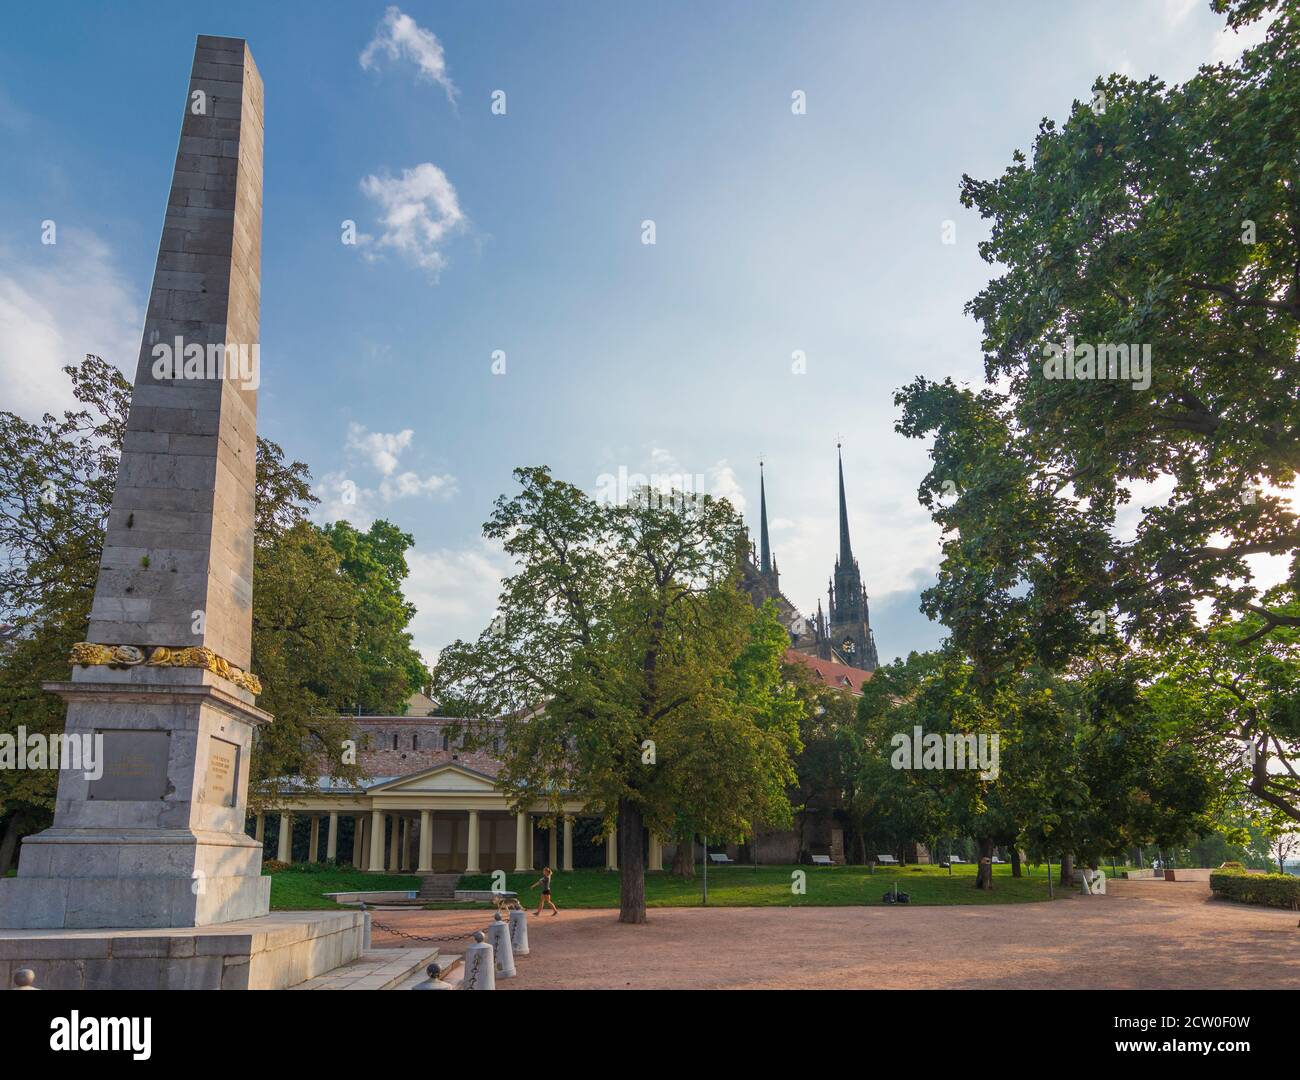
{"x":453,"y":974}
{"x":375,"y":969}
{"x":438,"y":886}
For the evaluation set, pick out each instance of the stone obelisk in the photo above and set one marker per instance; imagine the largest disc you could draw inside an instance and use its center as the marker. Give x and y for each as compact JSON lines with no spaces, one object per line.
{"x":162,"y":683}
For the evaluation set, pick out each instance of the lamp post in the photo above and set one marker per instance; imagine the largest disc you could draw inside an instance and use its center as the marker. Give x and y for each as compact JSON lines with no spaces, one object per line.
{"x":706,"y":871}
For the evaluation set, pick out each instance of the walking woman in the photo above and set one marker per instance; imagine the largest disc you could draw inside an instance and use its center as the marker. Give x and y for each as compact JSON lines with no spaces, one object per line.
{"x":545,"y":882}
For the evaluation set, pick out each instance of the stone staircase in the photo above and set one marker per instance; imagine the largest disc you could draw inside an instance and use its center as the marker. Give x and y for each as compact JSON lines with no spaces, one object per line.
{"x":438,"y":887}
{"x":387,"y":969}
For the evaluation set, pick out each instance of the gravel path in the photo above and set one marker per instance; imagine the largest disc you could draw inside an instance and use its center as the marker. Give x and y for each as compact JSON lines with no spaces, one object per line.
{"x":1143,"y":935}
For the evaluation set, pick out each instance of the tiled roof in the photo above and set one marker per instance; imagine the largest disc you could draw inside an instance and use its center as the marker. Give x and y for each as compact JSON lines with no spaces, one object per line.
{"x":841,"y":676}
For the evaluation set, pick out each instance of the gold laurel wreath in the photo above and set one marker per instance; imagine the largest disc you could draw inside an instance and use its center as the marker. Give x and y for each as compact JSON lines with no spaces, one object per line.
{"x":89,"y":654}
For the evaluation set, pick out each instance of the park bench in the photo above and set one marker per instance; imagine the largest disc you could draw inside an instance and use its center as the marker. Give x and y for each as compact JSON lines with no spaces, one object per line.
{"x":886,"y":860}
{"x":719,"y":859}
{"x":956,"y":860}
{"x":997,"y":860}
{"x":822,"y":860}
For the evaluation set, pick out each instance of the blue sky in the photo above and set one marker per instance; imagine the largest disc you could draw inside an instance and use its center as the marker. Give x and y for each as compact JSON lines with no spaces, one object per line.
{"x":819,"y":233}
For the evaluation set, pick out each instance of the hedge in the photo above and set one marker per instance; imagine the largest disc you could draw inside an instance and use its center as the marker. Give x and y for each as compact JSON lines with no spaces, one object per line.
{"x":1272,"y":890}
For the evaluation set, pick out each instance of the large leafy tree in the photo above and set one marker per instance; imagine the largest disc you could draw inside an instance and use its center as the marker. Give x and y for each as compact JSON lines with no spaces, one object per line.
{"x":1164,"y":216}
{"x":375,"y":560}
{"x":632,"y":669}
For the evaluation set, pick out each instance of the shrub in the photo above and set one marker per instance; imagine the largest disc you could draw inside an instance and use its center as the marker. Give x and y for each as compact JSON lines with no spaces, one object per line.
{"x":1271,"y":890}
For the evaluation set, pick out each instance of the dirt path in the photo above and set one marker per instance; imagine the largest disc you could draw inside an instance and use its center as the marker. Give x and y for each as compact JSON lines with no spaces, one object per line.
{"x":1143,"y":935}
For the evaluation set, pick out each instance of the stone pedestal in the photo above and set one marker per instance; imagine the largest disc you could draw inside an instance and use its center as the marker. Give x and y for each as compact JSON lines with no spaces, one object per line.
{"x":158,"y":840}
{"x":270,"y":953}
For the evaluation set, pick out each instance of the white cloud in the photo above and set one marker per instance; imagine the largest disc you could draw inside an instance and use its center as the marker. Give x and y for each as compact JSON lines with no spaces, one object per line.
{"x":410,"y":484}
{"x":342,"y":497}
{"x":400,"y":37}
{"x":455,"y":593}
{"x":418,"y":211}
{"x":724,"y":485}
{"x":58,"y":303}
{"x":1230,"y":44}
{"x":380,"y":448}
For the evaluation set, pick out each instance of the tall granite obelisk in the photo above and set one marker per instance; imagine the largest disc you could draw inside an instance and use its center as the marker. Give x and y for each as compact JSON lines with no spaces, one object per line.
{"x":162,"y":681}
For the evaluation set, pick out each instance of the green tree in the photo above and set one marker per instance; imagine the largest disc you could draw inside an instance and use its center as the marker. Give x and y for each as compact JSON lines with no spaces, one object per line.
{"x":631,"y":668}
{"x":376,"y":561}
{"x":1166,"y":217}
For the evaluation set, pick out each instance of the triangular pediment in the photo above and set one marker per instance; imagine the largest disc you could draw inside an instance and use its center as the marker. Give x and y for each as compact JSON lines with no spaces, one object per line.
{"x":438,"y":778}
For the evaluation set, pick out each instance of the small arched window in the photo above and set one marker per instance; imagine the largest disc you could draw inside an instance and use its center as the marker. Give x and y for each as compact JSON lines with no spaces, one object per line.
{"x":394,"y":742}
{"x":446,"y":741}
{"x":415,"y":741}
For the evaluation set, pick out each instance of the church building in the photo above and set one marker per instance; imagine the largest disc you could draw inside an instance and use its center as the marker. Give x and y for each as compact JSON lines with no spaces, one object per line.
{"x":841,"y":632}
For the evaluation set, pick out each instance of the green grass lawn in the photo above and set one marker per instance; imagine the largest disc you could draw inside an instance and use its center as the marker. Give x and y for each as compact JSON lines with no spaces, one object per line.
{"x":297,"y":889}
{"x":770,"y":886}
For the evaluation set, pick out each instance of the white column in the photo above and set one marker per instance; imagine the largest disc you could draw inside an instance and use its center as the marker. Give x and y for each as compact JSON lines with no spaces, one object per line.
{"x":426,"y":842}
{"x":285,"y":849}
{"x":553,"y":856}
{"x":404,"y":862}
{"x":259,"y":830}
{"x":656,"y":853}
{"x":611,"y":851}
{"x":332,"y":838}
{"x":568,"y":842}
{"x":358,"y":840}
{"x":523,"y":843}
{"x":394,"y":852}
{"x":472,"y":856}
{"x":375,"y":841}
{"x":313,"y":848}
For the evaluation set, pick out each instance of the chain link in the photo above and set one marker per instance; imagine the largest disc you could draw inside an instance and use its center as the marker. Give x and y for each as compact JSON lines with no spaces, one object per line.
{"x":375,"y":924}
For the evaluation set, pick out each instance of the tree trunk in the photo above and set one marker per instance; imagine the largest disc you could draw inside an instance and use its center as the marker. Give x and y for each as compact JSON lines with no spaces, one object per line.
{"x":9,"y":844}
{"x":984,"y":875}
{"x":1015,"y":861}
{"x":631,"y":863}
{"x":1067,"y":871}
{"x":684,"y":856}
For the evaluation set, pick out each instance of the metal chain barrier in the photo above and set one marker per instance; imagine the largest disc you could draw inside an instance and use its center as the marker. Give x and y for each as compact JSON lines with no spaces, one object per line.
{"x":375,"y":924}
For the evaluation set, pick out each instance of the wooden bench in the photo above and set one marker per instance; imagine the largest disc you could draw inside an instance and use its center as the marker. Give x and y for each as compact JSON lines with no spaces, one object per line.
{"x":886,"y":860}
{"x":720,"y":859}
{"x":821,"y":860}
{"x":957,"y":860}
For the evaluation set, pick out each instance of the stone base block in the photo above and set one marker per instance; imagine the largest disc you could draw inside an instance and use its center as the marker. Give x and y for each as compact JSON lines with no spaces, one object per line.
{"x":153,"y":902}
{"x":271,"y":953}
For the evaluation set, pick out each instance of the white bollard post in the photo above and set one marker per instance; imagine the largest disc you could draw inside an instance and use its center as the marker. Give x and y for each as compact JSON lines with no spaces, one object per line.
{"x":432,"y":982}
{"x":499,"y":939}
{"x":519,"y":932}
{"x":480,"y":971}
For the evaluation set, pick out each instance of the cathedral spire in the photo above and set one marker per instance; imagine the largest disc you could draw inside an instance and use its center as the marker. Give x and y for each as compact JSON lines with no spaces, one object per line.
{"x":765,"y":547}
{"x":846,"y":552}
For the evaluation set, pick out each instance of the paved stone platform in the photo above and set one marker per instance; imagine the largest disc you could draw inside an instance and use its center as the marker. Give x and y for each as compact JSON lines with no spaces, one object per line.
{"x":1141,"y":935}
{"x":273,"y":952}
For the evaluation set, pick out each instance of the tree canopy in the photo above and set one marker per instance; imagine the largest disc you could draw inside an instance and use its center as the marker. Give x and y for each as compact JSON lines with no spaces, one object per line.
{"x":632,"y":669}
